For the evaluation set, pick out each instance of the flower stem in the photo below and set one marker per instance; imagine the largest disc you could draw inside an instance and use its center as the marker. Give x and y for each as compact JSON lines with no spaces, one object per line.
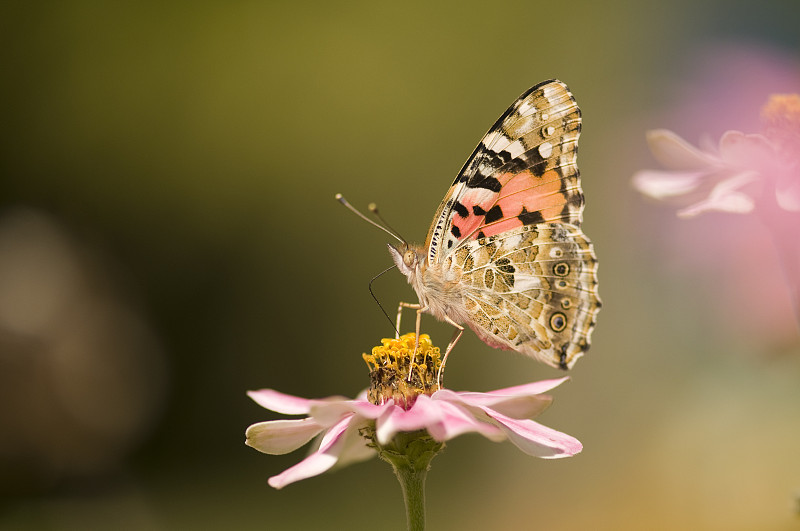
{"x":413,"y":484}
{"x":410,"y":455}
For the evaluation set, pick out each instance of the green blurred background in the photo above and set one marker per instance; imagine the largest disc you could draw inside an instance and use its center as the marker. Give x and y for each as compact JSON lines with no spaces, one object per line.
{"x":169,"y":240}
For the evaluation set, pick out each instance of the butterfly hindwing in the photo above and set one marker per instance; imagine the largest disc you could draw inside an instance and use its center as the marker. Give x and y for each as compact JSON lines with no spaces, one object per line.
{"x":532,"y":289}
{"x":523,"y":172}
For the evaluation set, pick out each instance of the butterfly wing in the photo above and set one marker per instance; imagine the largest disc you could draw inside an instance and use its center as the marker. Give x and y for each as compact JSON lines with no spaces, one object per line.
{"x":523,"y":172}
{"x":532,"y":289}
{"x":509,"y":231}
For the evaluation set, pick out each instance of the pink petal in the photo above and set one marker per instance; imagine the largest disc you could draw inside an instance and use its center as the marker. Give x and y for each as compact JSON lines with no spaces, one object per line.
{"x":457,"y":421}
{"x":735,"y":203}
{"x":327,"y":413}
{"x":318,"y":462}
{"x":520,"y":407}
{"x":744,"y":151}
{"x":533,"y":388}
{"x":396,"y":420}
{"x":521,"y":401}
{"x":664,"y":184}
{"x":441,"y":419}
{"x":787,"y":194}
{"x":355,"y":448}
{"x":279,"y":437}
{"x":535,"y":439}
{"x":725,"y":197}
{"x":675,"y":153}
{"x":279,"y":402}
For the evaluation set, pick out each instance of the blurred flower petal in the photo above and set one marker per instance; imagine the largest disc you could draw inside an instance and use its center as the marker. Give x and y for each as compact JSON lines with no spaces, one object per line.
{"x":714,"y":181}
{"x":745,"y":151}
{"x":734,"y":203}
{"x":725,"y":197}
{"x":664,"y":184}
{"x":675,"y":153}
{"x":788,"y":196}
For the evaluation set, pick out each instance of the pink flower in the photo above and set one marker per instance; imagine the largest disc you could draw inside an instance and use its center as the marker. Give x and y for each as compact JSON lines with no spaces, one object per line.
{"x":341,"y":425}
{"x":731,"y":179}
{"x":746,"y":171}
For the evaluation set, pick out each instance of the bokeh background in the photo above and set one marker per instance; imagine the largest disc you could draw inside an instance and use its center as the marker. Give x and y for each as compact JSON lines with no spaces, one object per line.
{"x":169,"y":240}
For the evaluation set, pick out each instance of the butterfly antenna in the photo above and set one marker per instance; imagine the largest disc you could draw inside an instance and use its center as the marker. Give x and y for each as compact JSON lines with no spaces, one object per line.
{"x":388,"y":231}
{"x":379,"y":302}
{"x":372,"y":207}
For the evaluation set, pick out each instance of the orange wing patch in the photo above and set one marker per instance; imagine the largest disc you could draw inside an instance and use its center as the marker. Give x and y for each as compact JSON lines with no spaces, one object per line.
{"x":525,"y":198}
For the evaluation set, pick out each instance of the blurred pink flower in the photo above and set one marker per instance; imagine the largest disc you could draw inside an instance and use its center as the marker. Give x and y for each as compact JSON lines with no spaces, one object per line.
{"x":745,"y":171}
{"x":704,"y":180}
{"x":341,"y":424}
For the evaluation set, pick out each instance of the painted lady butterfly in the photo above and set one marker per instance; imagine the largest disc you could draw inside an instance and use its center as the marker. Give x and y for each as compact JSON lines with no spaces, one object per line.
{"x":505,"y":254}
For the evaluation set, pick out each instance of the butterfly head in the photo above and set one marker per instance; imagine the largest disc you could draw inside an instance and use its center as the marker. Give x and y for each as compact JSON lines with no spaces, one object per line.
{"x":407,"y":258}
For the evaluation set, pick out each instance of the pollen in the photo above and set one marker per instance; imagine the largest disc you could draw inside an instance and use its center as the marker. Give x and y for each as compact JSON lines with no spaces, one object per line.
{"x":781,"y":120}
{"x":395,"y":375}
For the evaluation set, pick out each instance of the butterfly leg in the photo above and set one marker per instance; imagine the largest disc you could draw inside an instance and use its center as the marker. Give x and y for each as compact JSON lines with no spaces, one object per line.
{"x":400,"y":314}
{"x":419,"y":309}
{"x":456,"y":336}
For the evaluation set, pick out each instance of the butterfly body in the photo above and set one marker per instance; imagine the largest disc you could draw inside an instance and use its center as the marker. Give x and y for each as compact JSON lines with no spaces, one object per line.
{"x":505,"y":253}
{"x":437,"y":288}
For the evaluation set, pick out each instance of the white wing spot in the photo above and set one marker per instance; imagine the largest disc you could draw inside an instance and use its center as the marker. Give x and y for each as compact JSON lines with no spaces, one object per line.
{"x":512,"y":242}
{"x":523,"y":282}
{"x":515,"y":149}
{"x":545,"y":149}
{"x":525,"y":108}
{"x":550,"y":89}
{"x":491,"y":138}
{"x":478,"y":196}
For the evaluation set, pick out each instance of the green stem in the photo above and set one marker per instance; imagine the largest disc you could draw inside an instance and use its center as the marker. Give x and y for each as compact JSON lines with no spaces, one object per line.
{"x":410,"y":455}
{"x":413,"y":484}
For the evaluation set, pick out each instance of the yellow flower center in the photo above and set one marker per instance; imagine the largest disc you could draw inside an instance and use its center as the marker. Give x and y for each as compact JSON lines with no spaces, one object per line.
{"x":781,"y":119}
{"x":399,"y":373}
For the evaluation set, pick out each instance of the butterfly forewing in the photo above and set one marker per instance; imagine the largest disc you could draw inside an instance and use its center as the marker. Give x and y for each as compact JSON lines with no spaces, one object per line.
{"x":522,"y":172}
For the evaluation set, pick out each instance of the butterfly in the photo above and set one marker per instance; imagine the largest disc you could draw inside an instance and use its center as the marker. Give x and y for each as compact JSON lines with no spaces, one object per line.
{"x":505,"y":253}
